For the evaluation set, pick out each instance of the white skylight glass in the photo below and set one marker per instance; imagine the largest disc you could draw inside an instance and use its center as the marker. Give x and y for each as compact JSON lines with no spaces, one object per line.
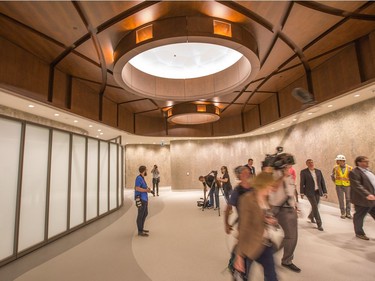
{"x":185,"y":60}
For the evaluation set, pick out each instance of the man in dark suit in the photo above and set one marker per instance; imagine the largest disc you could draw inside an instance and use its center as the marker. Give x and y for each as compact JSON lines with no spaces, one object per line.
{"x":312,"y":185}
{"x":250,"y":166}
{"x":362,"y":194}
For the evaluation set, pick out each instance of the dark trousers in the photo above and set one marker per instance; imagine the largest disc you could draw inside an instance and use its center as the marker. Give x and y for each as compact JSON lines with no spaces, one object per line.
{"x":266,"y":260}
{"x":359,"y":216}
{"x":288,"y":220}
{"x":214,"y":192}
{"x":142,"y":214}
{"x":155,"y":185}
{"x":314,"y":201}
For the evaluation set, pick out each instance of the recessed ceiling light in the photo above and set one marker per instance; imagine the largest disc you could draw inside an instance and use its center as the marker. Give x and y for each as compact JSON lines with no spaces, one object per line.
{"x":294,"y":119}
{"x":309,"y":113}
{"x":90,"y":126}
{"x":282,"y":124}
{"x":56,"y":114}
{"x":272,"y":128}
{"x":97,"y":136}
{"x":357,"y":95}
{"x":75,"y":121}
{"x":99,"y":130}
{"x":101,"y":133}
{"x":31,"y":106}
{"x":330,"y":105}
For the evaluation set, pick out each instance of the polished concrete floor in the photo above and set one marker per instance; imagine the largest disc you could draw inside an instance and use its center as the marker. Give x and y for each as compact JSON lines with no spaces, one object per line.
{"x":188,"y":244}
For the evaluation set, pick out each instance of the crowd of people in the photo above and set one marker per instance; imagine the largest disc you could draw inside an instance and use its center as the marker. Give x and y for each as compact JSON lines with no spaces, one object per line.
{"x":270,"y":198}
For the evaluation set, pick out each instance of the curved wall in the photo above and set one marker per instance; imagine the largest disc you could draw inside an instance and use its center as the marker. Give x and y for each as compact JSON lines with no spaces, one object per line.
{"x":349,"y":131}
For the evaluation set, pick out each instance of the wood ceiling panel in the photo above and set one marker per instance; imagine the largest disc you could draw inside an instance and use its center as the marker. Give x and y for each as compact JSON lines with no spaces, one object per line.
{"x":280,"y":53}
{"x":140,"y":106}
{"x":88,"y":50}
{"x":81,"y":68}
{"x":350,"y":6}
{"x":56,"y":19}
{"x":349,"y":31}
{"x":33,"y":43}
{"x":305,"y":24}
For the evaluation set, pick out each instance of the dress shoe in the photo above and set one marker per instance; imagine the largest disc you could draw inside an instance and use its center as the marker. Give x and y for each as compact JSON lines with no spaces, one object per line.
{"x":343,"y":216}
{"x":349,"y":216}
{"x":292,"y":267}
{"x":362,"y":236}
{"x":143,"y":234}
{"x":312,"y":220}
{"x":320,"y":228}
{"x":146,"y":231}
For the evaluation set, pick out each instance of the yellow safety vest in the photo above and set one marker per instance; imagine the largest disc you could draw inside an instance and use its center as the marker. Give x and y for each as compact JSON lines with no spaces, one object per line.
{"x":340,"y":177}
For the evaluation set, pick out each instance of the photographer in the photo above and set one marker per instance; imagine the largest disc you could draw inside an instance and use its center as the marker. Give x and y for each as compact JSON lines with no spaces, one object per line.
{"x":225,"y":182}
{"x":210,"y":181}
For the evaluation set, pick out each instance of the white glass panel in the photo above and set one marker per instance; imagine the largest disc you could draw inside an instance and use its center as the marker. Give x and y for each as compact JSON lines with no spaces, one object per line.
{"x":77,"y":195}
{"x":113,"y":176}
{"x":92,"y":179}
{"x":119,"y":176}
{"x":58,"y":205}
{"x":9,"y":151}
{"x":34,"y":183}
{"x":103,"y":183}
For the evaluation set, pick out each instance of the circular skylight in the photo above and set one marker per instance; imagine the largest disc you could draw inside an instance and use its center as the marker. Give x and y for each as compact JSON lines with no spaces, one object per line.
{"x":185,"y":60}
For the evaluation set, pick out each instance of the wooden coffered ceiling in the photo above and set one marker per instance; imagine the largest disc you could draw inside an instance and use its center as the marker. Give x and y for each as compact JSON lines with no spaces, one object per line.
{"x":78,"y":38}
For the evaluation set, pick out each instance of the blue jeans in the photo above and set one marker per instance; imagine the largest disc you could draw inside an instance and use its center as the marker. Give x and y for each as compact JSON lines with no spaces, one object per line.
{"x":142,"y":214}
{"x":214,"y":191}
{"x":266,"y":260}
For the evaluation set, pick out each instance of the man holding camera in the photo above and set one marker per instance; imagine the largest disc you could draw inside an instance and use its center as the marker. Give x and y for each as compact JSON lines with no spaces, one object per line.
{"x":140,"y":195}
{"x":210,"y":181}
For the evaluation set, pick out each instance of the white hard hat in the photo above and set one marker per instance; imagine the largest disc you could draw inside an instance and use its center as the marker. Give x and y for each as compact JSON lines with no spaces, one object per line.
{"x":340,"y":157}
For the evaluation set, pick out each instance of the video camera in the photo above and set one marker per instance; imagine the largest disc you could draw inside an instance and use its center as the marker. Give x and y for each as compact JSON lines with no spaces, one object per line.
{"x":279,"y":160}
{"x":214,"y":172}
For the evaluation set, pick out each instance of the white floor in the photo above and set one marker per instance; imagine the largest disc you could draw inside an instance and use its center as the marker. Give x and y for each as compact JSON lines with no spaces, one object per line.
{"x":188,"y":244}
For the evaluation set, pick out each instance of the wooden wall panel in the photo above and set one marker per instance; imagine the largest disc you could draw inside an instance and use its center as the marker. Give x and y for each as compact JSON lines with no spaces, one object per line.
{"x":366,"y":56}
{"x":251,"y":119}
{"x":109,"y":112}
{"x":149,"y":126}
{"x":125,"y":119}
{"x":288,"y":103}
{"x":230,"y":125}
{"x":337,"y":75}
{"x":85,"y":99}
{"x":269,"y":111}
{"x":23,"y":70}
{"x":61,"y":89}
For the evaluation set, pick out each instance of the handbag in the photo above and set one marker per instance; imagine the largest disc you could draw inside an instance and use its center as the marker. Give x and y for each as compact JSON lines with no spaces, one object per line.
{"x":275,"y":235}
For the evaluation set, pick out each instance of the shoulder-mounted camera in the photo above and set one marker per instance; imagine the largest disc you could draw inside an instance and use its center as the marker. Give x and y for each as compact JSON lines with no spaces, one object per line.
{"x":279,"y":160}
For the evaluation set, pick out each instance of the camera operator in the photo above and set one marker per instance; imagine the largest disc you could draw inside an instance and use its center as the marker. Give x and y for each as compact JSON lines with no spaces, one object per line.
{"x":210,"y":181}
{"x":225,"y":182}
{"x":284,"y":207}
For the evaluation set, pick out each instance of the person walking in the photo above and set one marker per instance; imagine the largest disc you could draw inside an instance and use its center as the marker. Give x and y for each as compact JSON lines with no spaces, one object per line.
{"x":155,"y":180}
{"x":362,"y":194}
{"x":312,"y":184}
{"x":255,"y":215}
{"x":141,"y":195}
{"x":340,"y":176}
{"x":284,"y":208}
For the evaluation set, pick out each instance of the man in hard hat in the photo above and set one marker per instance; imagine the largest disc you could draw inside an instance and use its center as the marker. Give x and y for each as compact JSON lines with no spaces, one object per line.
{"x":340,"y":176}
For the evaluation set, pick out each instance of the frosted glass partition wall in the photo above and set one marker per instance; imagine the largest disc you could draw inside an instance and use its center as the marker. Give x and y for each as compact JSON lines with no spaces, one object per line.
{"x":51,"y":182}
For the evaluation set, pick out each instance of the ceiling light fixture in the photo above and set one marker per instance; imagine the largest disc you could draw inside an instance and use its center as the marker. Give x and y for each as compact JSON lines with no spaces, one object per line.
{"x":193,"y":114}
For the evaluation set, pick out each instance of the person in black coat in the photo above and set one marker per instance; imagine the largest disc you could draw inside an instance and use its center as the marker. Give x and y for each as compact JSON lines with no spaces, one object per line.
{"x":362,"y":194}
{"x":312,"y":184}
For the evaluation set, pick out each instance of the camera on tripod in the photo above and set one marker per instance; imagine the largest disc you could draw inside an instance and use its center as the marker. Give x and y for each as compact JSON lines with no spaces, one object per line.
{"x":279,"y":160}
{"x":214,"y":172}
